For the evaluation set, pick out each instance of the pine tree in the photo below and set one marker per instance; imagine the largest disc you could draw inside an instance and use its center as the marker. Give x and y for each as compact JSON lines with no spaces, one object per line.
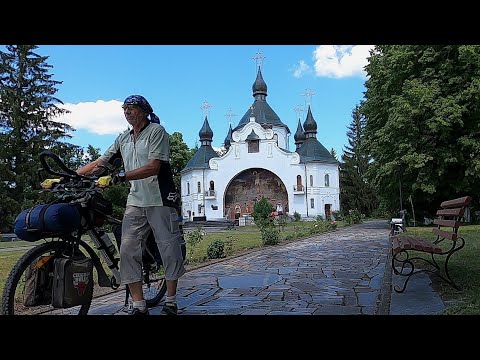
{"x":356,"y":192}
{"x":28,"y":109}
{"x":334,"y":153}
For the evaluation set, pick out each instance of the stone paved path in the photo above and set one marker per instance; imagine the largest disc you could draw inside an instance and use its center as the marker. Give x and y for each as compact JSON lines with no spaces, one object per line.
{"x":339,"y":273}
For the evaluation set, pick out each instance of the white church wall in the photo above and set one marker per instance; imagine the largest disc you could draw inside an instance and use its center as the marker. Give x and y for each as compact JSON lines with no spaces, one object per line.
{"x":319,"y":192}
{"x":191,"y":202}
{"x":270,"y":158}
{"x":281,"y":134}
{"x":286,"y":165}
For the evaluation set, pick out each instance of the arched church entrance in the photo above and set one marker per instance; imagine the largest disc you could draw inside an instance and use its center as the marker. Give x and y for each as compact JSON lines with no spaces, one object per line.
{"x":249,"y":186}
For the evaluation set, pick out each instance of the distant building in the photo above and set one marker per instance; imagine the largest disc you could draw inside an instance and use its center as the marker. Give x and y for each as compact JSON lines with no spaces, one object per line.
{"x":258,"y":163}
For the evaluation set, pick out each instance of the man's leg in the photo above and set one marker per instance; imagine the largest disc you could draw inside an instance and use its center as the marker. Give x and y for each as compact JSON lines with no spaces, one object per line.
{"x":164,"y":222}
{"x":134,"y":230}
{"x":172,"y":287}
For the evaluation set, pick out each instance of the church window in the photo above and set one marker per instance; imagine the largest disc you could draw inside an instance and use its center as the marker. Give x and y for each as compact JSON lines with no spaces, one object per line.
{"x":311,"y":180}
{"x":188,"y":188}
{"x":312,"y":203}
{"x":199,"y":187}
{"x":299,"y":183}
{"x":327,"y":180}
{"x":253,"y":146}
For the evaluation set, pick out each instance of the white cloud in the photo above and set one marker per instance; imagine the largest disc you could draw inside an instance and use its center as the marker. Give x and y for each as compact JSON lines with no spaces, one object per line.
{"x":300,"y":69}
{"x":100,"y":117}
{"x":339,"y":61}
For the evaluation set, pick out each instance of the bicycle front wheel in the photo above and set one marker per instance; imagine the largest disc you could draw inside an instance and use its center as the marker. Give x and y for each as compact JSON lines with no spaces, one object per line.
{"x":17,"y":297}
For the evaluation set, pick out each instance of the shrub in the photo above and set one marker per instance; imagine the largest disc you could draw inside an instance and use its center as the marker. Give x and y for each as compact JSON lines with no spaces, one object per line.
{"x":193,"y":238}
{"x":296,"y":216}
{"x":289,"y":237}
{"x":282,"y":221}
{"x":337,"y":215}
{"x":262,"y":211}
{"x":216,"y":249}
{"x":270,"y":235}
{"x":354,"y":217}
{"x":332,"y":225}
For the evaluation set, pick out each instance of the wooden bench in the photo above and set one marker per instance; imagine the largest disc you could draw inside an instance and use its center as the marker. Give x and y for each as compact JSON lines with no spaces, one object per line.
{"x":404,"y":247}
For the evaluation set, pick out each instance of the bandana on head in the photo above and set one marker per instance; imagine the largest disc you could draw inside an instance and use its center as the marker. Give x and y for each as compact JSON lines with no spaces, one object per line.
{"x":143,"y":104}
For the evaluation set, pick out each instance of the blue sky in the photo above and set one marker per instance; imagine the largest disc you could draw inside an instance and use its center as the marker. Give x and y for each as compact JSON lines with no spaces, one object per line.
{"x":178,"y":80}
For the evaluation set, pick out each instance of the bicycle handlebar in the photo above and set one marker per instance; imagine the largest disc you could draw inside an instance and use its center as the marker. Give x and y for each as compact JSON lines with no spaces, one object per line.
{"x":71,"y":182}
{"x":67,"y":172}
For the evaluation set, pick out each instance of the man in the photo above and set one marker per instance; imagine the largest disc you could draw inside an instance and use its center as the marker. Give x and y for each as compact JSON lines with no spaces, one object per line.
{"x":151,"y":203}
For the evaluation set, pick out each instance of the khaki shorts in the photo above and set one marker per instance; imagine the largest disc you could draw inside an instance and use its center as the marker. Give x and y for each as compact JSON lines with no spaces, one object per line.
{"x":137,"y":222}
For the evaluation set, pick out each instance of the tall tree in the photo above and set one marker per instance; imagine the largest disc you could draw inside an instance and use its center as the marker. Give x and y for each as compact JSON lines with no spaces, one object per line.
{"x":334,"y":153}
{"x":180,"y":154}
{"x":27,"y":126}
{"x":423,"y":122}
{"x":356,"y":191}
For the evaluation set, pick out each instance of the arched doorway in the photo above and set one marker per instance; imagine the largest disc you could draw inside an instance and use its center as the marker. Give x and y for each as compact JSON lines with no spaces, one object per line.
{"x":249,"y":186}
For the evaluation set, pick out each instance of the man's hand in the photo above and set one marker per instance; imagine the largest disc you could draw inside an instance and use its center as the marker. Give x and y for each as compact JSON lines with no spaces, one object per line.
{"x":49,"y":183}
{"x":105,"y":181}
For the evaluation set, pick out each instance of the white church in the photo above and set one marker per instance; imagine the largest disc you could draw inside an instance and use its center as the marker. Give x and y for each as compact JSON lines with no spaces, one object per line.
{"x":257,"y":163}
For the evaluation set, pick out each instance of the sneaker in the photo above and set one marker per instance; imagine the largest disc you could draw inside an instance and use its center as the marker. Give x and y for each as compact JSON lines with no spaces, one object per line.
{"x":169,"y":309}
{"x":137,"y":311}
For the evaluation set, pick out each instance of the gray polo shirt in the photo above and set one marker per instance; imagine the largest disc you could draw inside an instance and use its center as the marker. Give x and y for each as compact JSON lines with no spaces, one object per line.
{"x":152,"y":143}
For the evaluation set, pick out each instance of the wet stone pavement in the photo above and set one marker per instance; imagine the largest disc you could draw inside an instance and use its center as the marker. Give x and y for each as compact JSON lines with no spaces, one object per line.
{"x":339,"y":273}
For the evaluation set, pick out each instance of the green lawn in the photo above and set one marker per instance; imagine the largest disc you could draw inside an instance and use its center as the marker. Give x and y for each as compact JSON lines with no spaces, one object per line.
{"x":7,"y":261}
{"x":17,"y":243}
{"x":245,"y":238}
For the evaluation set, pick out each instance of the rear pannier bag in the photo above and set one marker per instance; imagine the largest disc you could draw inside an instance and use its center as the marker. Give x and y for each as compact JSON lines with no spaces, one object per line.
{"x":42,"y":220}
{"x":38,"y":282}
{"x":72,"y":282}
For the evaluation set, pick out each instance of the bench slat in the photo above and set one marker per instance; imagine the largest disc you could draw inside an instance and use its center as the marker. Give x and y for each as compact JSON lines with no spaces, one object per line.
{"x":414,"y":243}
{"x":396,"y":247}
{"x":451,"y":212}
{"x":463,"y":201}
{"x":450,"y":223}
{"x":446,"y":234}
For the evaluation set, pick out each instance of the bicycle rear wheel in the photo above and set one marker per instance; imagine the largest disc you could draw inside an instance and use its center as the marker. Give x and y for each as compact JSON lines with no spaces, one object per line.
{"x":155,"y":286}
